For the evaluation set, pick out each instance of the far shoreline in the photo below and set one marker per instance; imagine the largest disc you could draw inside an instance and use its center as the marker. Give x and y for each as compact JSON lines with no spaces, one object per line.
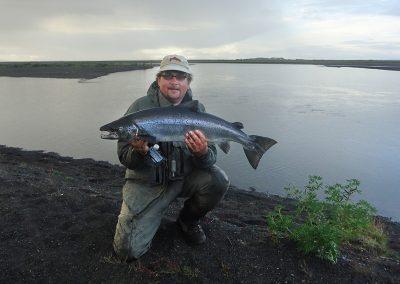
{"x":93,"y":69}
{"x":69,"y":70}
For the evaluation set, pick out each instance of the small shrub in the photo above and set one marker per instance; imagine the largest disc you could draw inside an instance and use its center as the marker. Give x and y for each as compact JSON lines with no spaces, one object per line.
{"x":320,"y":227}
{"x":279,"y":224}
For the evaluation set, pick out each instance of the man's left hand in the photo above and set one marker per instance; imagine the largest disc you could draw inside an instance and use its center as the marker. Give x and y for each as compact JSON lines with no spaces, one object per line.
{"x":196,"y":142}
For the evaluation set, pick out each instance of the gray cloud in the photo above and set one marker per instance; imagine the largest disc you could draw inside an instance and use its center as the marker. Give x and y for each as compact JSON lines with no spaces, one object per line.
{"x":104,"y":29}
{"x":376,"y":45}
{"x":367,"y":7}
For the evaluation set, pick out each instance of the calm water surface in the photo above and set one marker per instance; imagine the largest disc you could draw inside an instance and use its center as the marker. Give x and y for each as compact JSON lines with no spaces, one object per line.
{"x":339,"y":123}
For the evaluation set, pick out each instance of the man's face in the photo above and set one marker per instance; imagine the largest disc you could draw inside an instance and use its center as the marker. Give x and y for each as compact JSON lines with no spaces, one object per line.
{"x":173,"y":85}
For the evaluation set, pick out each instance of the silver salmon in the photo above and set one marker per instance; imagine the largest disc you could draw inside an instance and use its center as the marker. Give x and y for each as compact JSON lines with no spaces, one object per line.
{"x":170,"y":124}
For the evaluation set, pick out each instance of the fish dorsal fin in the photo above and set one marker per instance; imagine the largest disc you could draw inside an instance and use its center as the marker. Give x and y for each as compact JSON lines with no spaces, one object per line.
{"x":237,"y":125}
{"x":192,"y":105}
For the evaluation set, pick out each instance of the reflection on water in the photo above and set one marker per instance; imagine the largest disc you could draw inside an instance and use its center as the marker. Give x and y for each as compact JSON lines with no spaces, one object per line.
{"x":337,"y":123}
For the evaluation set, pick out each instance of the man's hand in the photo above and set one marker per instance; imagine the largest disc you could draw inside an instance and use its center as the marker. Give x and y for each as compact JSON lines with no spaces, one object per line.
{"x":196,"y":142}
{"x":139,"y":146}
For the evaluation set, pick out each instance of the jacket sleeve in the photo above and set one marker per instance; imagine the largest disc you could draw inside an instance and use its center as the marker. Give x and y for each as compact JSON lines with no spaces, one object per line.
{"x":129,"y":158}
{"x":208,"y":159}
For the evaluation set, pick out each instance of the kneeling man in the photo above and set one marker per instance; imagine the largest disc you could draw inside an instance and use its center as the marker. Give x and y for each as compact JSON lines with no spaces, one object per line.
{"x":189,"y":171}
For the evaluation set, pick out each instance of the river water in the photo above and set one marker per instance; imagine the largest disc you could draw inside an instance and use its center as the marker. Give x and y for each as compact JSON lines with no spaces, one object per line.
{"x":339,"y":123}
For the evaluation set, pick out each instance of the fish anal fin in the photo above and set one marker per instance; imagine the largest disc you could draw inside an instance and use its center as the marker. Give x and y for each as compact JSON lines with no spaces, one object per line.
{"x":237,"y":125}
{"x":225,"y":146}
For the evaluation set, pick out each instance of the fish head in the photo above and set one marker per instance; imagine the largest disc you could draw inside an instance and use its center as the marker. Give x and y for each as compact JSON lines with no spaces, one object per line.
{"x":119,"y":129}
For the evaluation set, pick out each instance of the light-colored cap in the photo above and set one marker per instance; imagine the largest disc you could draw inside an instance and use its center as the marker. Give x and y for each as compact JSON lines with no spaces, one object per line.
{"x":175,"y":63}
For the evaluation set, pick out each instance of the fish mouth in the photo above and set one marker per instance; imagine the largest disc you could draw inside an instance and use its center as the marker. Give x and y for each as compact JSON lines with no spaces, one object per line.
{"x":106,"y":128}
{"x":109,"y":134}
{"x":114,"y":130}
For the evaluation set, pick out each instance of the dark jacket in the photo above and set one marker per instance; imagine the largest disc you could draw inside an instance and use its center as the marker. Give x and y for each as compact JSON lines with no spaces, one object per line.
{"x":137,"y":167}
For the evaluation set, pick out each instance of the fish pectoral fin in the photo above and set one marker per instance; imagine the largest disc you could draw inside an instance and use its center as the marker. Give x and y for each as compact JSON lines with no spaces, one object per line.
{"x":192,"y":105}
{"x":237,"y":125}
{"x":225,"y":146}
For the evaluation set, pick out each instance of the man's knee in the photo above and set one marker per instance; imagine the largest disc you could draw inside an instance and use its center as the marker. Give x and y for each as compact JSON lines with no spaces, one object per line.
{"x":219,"y":179}
{"x":134,"y":232}
{"x":126,"y":254}
{"x":126,"y":243}
{"x":215,"y":184}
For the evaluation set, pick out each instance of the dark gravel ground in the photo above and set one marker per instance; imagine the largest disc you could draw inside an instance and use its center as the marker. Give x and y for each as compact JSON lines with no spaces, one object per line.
{"x":58,"y":217}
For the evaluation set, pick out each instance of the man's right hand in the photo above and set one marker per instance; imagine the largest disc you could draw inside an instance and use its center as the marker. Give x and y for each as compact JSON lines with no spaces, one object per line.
{"x":140,"y":146}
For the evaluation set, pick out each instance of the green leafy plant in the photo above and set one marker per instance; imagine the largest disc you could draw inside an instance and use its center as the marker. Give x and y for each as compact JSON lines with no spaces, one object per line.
{"x":321,"y":226}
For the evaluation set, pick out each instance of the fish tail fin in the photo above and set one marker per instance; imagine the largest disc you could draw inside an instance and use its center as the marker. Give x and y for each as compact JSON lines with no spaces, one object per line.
{"x":259,"y":145}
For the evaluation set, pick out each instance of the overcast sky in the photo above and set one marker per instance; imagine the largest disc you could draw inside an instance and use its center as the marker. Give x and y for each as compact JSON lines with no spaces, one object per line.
{"x":131,"y":29}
